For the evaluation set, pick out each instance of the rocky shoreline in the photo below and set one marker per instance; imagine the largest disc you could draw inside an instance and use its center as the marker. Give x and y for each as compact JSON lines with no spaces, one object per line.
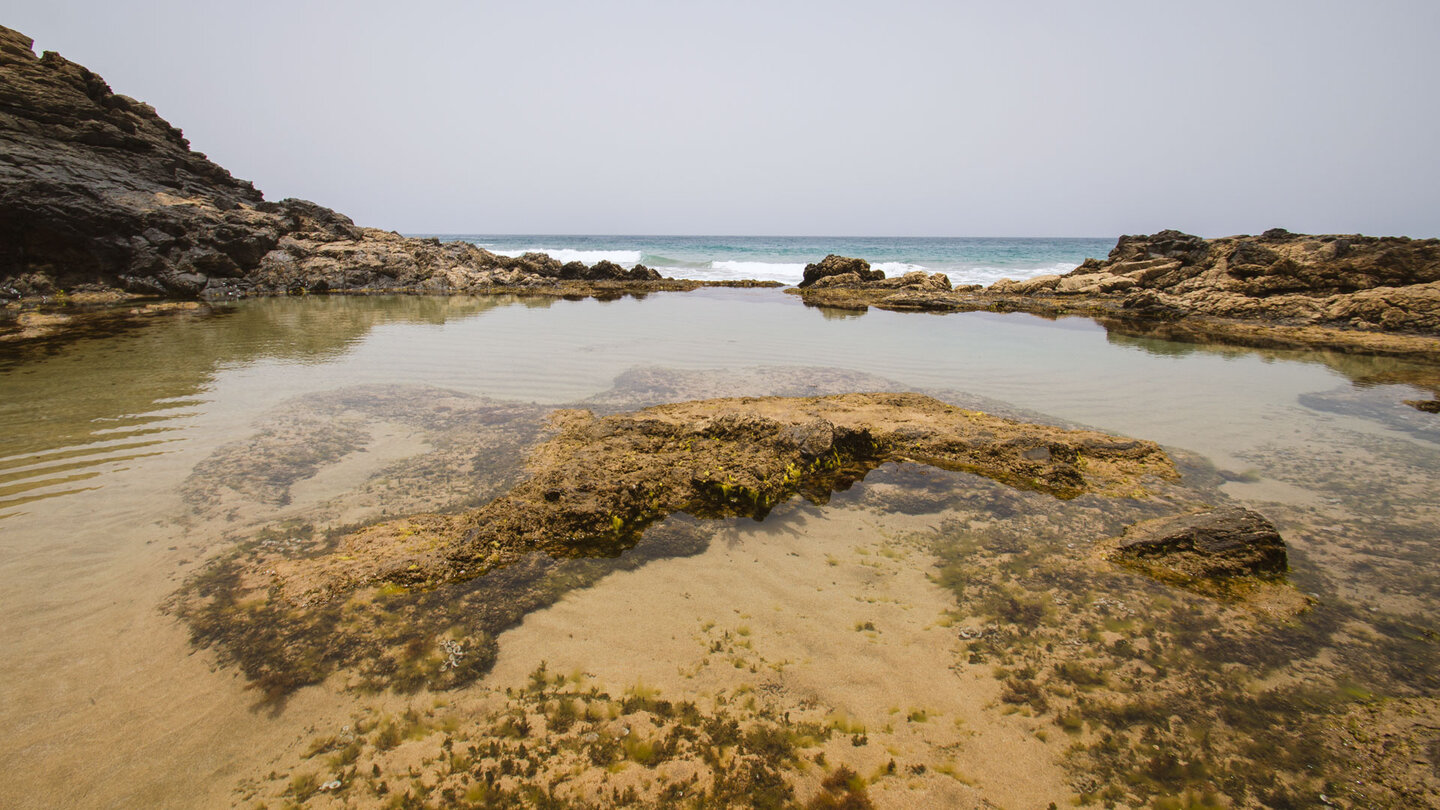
{"x":602,"y":485}
{"x":102,"y":200}
{"x":1376,"y":295}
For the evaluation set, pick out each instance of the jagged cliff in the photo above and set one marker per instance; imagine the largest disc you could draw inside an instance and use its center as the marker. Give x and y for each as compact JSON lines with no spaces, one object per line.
{"x":98,"y":192}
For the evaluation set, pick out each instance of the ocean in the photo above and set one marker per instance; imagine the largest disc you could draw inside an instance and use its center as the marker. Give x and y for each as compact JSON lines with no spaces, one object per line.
{"x":966,"y":260}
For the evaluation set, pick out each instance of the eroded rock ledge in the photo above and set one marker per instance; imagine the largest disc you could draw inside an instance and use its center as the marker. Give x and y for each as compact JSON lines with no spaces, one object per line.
{"x":599,"y":483}
{"x":1375,"y":295}
{"x":1370,"y":283}
{"x":383,"y":599}
{"x":101,"y":198}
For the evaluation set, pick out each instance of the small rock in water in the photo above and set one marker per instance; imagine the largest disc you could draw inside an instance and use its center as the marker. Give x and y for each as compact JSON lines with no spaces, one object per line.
{"x":1225,"y":542}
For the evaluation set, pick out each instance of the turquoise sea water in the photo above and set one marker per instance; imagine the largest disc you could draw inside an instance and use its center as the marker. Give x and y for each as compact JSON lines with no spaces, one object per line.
{"x":967,"y":260}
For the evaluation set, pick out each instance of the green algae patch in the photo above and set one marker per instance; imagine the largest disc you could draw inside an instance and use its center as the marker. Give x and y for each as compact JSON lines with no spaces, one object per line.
{"x":564,"y":741}
{"x":383,"y":635}
{"x":416,"y":601}
{"x":596,"y":485}
{"x":1229,"y":553}
{"x":1185,"y":697}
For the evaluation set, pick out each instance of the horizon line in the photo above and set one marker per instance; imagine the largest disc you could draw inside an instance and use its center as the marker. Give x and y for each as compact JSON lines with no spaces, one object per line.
{"x":419,"y":234}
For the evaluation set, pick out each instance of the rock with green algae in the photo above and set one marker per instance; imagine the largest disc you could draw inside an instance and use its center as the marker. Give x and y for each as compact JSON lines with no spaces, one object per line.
{"x":1228,"y":552}
{"x":596,"y":485}
{"x":1226,"y":542}
{"x":390,"y":603}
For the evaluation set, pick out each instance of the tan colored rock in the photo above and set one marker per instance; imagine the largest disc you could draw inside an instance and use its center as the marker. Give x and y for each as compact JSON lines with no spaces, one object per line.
{"x":1034,"y":285}
{"x":1145,"y":271}
{"x":1094,"y":283}
{"x":921,"y":300}
{"x":1414,"y":307}
{"x":1389,"y":284}
{"x":599,"y":487}
{"x":837,"y":280}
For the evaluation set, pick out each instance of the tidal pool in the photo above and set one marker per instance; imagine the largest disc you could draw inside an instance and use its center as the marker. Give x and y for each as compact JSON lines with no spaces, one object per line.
{"x":925,"y":638}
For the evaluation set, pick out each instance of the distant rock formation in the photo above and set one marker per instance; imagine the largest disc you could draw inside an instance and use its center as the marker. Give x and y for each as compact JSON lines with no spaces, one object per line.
{"x":1367,"y":282}
{"x":842,"y":282}
{"x":98,"y":193}
{"x":1335,"y":292}
{"x":840,"y":267}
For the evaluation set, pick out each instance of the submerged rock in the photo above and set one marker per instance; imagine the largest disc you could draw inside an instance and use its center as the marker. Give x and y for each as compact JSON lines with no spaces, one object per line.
{"x":596,"y":485}
{"x":290,"y":613}
{"x":1219,"y":543}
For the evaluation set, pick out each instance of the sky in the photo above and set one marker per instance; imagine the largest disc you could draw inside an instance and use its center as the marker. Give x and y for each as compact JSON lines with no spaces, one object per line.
{"x":896,"y":118}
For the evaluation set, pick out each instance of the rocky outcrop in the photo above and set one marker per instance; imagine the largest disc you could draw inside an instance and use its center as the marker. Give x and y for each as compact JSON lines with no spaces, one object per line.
{"x":1216,"y":544}
{"x":1348,"y":294}
{"x":833,"y":266}
{"x":602,"y":486}
{"x":603,"y":480}
{"x":1364,"y":282}
{"x":99,"y":193}
{"x":846,"y":283}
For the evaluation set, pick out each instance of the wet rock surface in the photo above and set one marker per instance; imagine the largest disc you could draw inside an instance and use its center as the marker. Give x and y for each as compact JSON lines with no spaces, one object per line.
{"x":598,"y":483}
{"x":1226,"y":542}
{"x":835,"y":269}
{"x":1145,"y":690}
{"x":1354,"y":282}
{"x":294,"y":604}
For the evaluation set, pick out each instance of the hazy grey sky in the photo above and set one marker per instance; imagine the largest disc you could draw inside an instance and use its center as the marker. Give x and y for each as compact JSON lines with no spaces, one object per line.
{"x":833,"y":118}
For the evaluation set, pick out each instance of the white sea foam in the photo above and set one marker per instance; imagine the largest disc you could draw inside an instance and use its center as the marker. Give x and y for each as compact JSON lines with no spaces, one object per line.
{"x":989,"y":275}
{"x":784,"y":272}
{"x":893,"y":269}
{"x":790,"y":273}
{"x":624,"y":258}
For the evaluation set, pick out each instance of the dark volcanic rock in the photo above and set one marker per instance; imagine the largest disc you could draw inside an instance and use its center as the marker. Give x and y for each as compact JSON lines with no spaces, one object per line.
{"x":834,"y":265}
{"x":99,"y":193}
{"x":1227,"y":542}
{"x":1167,"y":244}
{"x":95,"y":186}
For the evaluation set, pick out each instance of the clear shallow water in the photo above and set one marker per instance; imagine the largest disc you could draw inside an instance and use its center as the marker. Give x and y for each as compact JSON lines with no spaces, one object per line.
{"x":966,"y":260}
{"x":98,"y":437}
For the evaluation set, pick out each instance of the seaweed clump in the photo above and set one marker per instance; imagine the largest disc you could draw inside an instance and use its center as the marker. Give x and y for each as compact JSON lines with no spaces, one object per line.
{"x":565,"y":741}
{"x":1182,"y":697}
{"x":387,"y":636}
